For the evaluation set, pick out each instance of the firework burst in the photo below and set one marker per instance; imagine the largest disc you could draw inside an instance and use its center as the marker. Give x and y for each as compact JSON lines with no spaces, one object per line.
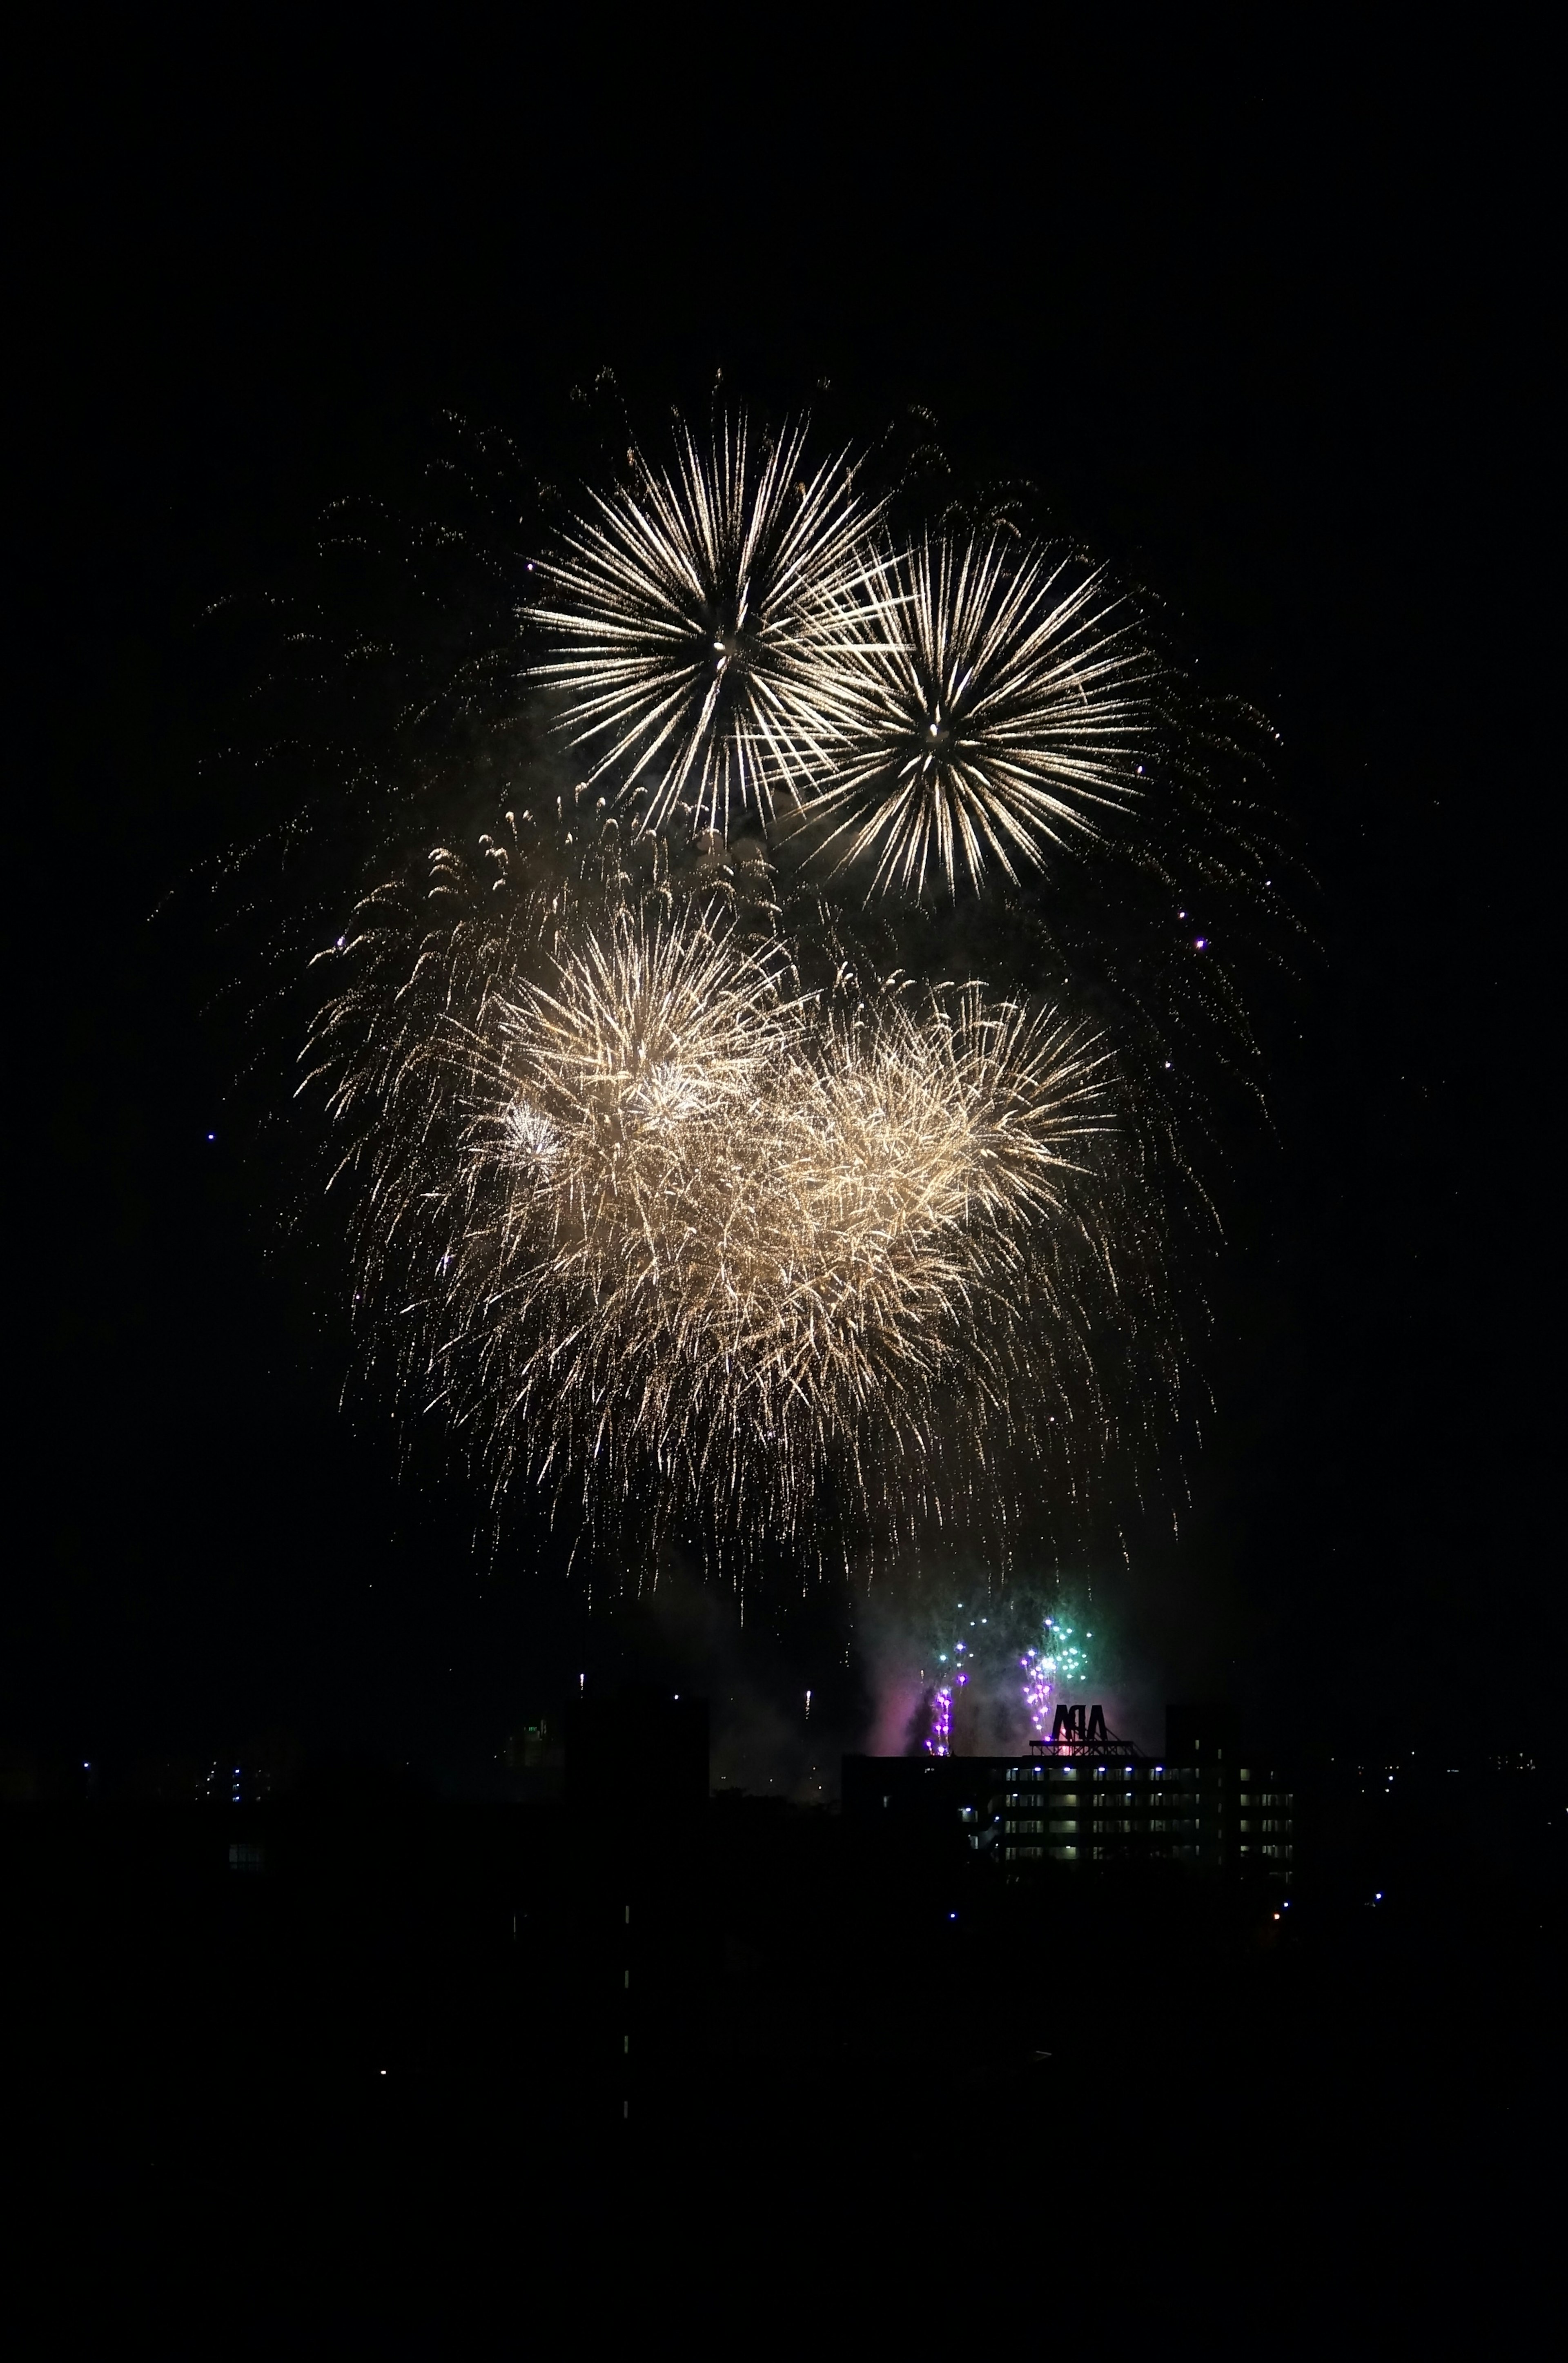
{"x":987,"y":708}
{"x":677,"y":1184}
{"x":692,"y":613}
{"x":655,"y":1222}
{"x":1048,"y":1667}
{"x":992,"y":1668}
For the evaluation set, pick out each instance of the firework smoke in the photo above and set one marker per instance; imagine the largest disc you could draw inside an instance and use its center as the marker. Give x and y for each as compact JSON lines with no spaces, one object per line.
{"x":977,"y":1674}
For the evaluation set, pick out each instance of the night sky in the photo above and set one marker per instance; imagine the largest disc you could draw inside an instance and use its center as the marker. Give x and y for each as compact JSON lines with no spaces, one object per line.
{"x":1263,"y":328}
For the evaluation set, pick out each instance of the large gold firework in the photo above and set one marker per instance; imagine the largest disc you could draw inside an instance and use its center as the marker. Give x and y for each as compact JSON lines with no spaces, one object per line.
{"x":689,"y":612}
{"x":657,"y":1225}
{"x":987,"y":707}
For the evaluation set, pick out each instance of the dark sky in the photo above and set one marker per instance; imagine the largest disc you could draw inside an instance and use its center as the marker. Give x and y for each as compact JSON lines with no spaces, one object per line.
{"x":1262,"y":324}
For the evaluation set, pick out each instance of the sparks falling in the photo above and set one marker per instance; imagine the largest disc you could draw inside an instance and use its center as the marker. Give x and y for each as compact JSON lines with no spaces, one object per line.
{"x":657,"y":1216}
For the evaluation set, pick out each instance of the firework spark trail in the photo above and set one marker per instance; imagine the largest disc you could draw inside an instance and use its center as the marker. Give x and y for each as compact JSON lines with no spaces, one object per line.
{"x":985,"y":706}
{"x":973,"y":1700}
{"x":1057,"y":1660}
{"x":691,"y":612}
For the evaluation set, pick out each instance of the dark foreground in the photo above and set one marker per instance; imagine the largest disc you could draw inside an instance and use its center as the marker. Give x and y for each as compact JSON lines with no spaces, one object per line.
{"x":398,"y":2076}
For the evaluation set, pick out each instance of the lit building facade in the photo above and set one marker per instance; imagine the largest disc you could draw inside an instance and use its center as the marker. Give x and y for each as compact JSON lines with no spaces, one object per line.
{"x":1086,"y":1796}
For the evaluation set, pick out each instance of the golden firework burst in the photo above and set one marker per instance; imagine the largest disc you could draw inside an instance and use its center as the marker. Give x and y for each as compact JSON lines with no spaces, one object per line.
{"x":689,"y":613}
{"x":987,"y":707}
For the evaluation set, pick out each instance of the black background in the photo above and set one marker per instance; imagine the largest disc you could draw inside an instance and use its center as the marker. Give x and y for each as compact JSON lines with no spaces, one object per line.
{"x":1265,"y":326}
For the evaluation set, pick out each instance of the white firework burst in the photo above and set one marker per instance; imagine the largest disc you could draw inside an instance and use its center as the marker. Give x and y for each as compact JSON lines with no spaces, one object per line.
{"x":693,"y":612}
{"x":988,"y":706}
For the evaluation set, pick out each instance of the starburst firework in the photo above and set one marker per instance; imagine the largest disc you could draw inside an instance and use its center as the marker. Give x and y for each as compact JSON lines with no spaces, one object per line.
{"x":690,"y":613}
{"x":986,"y":701}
